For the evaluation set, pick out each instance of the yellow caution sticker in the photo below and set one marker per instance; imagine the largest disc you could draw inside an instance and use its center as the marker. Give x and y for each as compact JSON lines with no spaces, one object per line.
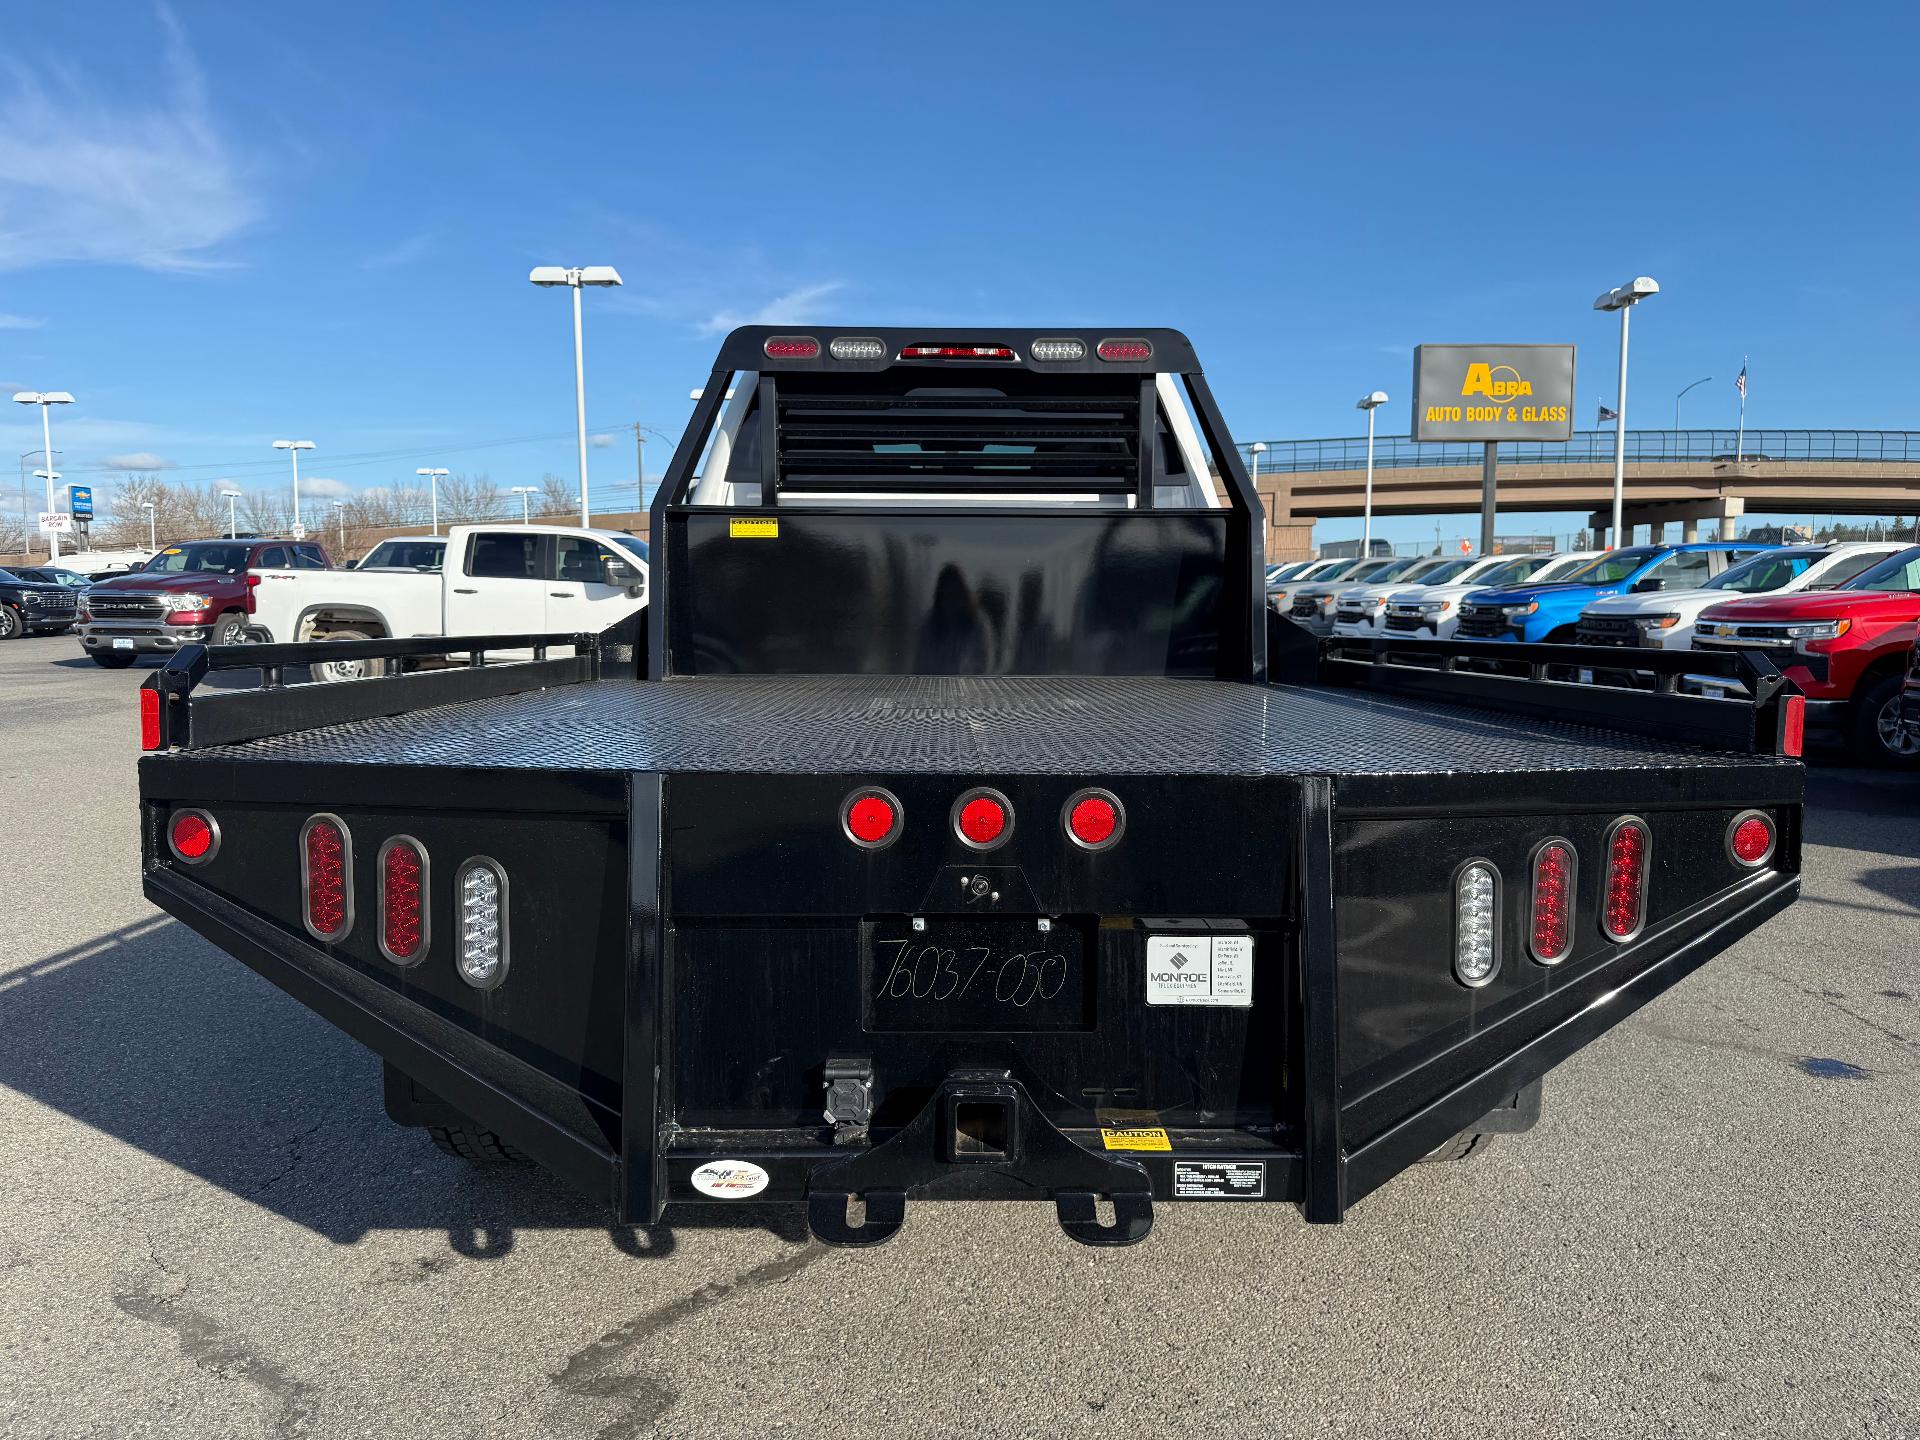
{"x":748,"y":528}
{"x":1132,"y":1130}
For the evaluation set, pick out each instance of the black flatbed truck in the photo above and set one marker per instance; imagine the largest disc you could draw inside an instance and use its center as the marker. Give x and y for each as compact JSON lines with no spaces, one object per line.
{"x":956,"y":823}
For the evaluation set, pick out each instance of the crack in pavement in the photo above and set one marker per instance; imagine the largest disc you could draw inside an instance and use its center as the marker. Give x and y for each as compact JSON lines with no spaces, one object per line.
{"x":211,"y":1347}
{"x":643,"y":1398}
{"x":292,"y":1144}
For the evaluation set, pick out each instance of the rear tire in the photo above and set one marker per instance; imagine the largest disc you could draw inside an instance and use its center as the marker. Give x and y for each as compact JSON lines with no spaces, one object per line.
{"x":334,"y":670}
{"x":475,"y":1146}
{"x":1874,"y":735}
{"x":1461,"y":1147}
{"x":110,"y":660}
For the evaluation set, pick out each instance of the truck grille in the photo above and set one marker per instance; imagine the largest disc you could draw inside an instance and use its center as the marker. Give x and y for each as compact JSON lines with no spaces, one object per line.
{"x":1404,"y":622}
{"x":1305,"y":609}
{"x":1482,"y":622}
{"x":1610,"y":630}
{"x":1744,"y":637}
{"x":124,"y":606}
{"x":52,"y":604}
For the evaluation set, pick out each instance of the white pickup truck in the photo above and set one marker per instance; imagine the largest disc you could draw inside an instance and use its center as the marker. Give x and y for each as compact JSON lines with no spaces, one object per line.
{"x":496,"y":580}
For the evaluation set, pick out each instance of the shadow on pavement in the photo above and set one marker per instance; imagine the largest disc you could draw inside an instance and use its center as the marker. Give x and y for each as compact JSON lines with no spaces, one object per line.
{"x":149,"y":1036}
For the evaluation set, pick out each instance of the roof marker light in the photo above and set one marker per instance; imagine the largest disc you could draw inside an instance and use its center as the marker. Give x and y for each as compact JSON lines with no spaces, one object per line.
{"x":1126,"y":350}
{"x":791,"y":347}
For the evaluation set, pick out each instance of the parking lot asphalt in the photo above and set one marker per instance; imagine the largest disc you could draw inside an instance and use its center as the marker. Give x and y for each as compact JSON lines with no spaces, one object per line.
{"x":209,"y":1228}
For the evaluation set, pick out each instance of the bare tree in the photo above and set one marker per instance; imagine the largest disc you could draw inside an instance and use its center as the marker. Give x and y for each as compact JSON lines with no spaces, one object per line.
{"x":557,"y":496}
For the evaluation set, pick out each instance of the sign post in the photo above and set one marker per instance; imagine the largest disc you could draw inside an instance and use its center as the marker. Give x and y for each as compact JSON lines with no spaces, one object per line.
{"x":1491,"y":393}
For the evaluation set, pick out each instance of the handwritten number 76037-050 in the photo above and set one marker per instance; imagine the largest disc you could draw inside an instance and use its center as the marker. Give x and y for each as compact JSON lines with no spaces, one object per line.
{"x":929,"y":972}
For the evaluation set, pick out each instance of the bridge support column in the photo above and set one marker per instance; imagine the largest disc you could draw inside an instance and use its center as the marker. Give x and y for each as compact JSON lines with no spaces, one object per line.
{"x":1689,"y":530}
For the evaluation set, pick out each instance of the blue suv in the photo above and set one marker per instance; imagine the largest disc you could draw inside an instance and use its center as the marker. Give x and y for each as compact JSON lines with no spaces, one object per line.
{"x":1550,"y":612}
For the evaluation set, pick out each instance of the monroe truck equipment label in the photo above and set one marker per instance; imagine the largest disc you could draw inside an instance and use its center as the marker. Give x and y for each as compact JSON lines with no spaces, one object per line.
{"x":1219,"y":1179}
{"x":1200,"y":970}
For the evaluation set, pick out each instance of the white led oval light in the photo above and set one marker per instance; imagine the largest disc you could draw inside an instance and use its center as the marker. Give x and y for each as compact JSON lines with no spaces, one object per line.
{"x":1476,"y":923}
{"x":480,"y":896}
{"x":1062,"y":348}
{"x":857,"y":347}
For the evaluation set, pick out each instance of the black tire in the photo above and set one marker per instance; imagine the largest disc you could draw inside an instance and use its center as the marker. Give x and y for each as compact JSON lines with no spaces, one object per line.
{"x":1873,"y":732}
{"x":1461,"y":1147}
{"x":334,"y":671}
{"x":111,"y":659}
{"x":229,"y":629}
{"x":12,"y":627}
{"x":475,"y":1146}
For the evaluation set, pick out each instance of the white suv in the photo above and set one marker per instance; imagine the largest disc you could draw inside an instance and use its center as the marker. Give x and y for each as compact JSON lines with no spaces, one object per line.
{"x":1361,"y":611}
{"x":1432,"y":612}
{"x":1663,"y":619}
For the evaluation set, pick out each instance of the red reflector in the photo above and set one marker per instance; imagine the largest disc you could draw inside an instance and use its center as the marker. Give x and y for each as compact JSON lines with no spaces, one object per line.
{"x":1094,"y":819}
{"x":983,"y":818}
{"x":1125,"y":350}
{"x":149,"y":718}
{"x":326,"y":856}
{"x":792,"y":347}
{"x":871,"y":818}
{"x":1793,"y":725}
{"x":1553,"y":871}
{"x":1750,"y":839}
{"x":957,"y":352}
{"x":1623,"y":905}
{"x":403,"y":921}
{"x":192,"y":836}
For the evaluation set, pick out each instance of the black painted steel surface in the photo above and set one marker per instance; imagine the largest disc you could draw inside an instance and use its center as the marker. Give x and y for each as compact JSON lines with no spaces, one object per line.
{"x":963,"y":725}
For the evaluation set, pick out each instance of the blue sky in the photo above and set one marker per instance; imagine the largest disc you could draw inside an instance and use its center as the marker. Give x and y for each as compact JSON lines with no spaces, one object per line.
{"x":222,"y":222}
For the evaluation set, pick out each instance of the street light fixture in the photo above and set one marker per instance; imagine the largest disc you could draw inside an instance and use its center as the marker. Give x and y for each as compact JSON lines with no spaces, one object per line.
{"x":1676,"y":399}
{"x":523,"y":491}
{"x":1254,"y":452}
{"x":340,"y":515}
{"x":233,"y":525}
{"x":153,"y":541}
{"x":294,"y":447}
{"x":434,"y":477}
{"x":1623,"y":298}
{"x":574,"y":278}
{"x":1369,"y":403}
{"x":46,"y":400}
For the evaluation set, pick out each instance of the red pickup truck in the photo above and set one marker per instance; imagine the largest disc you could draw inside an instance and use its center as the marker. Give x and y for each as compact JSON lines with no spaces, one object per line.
{"x":200,"y":593}
{"x":1847,"y":649}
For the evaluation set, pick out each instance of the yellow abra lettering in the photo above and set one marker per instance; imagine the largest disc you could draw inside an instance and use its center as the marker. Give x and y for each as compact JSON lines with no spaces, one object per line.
{"x":1480,"y":381}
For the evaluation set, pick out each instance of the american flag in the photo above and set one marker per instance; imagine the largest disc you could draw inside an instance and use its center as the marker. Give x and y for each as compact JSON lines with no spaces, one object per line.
{"x":1740,"y":382}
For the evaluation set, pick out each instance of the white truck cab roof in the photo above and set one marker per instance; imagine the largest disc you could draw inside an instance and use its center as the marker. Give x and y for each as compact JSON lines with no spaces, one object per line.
{"x":1772,"y":572}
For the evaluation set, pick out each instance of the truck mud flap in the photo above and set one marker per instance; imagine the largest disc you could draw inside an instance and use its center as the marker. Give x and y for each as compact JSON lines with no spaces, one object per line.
{"x":980,"y":1136}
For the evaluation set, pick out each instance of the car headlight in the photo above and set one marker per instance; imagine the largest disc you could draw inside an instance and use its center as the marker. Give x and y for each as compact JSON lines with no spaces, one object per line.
{"x":188,"y":602}
{"x":1324,"y":601}
{"x":1435,"y":607}
{"x":1824,"y":630}
{"x":1526,"y":609}
{"x":1656,"y":622}
{"x":32,"y":597}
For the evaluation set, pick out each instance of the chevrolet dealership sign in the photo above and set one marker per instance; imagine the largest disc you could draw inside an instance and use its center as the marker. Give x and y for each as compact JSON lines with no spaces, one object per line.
{"x":1493,"y":392}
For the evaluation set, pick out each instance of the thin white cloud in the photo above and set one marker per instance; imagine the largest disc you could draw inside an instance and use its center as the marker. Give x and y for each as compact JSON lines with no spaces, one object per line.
{"x":138,"y":460}
{"x":324,"y":487}
{"x":797,"y":307}
{"x":20,"y":322}
{"x":110,"y":176}
{"x":600,"y":442}
{"x":414,"y":247}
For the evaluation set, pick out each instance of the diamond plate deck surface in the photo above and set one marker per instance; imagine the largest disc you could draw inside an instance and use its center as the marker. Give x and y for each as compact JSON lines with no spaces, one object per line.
{"x":1012,"y":726}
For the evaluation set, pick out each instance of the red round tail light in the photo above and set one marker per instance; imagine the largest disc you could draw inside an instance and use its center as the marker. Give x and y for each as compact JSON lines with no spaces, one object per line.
{"x":1094,"y":819}
{"x":1623,"y":905}
{"x":326,"y":877}
{"x":1553,"y":892}
{"x":871,"y":817}
{"x":1750,"y":839}
{"x":403,"y":900}
{"x":192,"y":836}
{"x":983,"y":819}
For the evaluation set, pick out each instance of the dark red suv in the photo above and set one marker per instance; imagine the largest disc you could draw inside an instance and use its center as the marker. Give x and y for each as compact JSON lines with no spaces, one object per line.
{"x":197,"y":593}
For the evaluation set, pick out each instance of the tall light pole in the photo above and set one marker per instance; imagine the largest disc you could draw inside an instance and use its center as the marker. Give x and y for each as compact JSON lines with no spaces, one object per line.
{"x":340,"y":516}
{"x":294,"y":447}
{"x":434,"y":477}
{"x":233,"y":525}
{"x":1254,"y":452}
{"x":1369,"y":403}
{"x":46,"y":400}
{"x":523,"y":491}
{"x":574,"y":278}
{"x":1676,"y":399}
{"x":153,"y":541}
{"x":1623,"y":298}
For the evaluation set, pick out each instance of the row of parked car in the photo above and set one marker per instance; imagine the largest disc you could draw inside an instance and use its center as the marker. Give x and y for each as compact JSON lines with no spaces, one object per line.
{"x":1839,"y":620}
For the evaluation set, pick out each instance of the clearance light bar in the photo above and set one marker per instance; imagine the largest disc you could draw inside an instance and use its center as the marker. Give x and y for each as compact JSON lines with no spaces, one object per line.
{"x":958,"y":352}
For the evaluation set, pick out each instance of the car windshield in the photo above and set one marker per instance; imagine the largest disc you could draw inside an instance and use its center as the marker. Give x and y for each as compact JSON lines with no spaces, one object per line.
{"x":1513,"y":572}
{"x":9,"y":575}
{"x":1443,"y":572}
{"x":1375,"y":570}
{"x":1771,"y":571}
{"x":635,"y":548}
{"x":198,"y":560}
{"x":1426,"y":571}
{"x":406,"y":555}
{"x":1898,"y":572}
{"x":1614,"y":566}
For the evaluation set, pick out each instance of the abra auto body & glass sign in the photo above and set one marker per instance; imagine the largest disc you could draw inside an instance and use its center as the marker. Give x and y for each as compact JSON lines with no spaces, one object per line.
{"x":1493,"y":392}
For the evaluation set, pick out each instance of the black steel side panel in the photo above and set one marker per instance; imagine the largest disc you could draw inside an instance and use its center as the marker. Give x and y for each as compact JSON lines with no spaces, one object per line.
{"x":1006,"y":725}
{"x":944,"y":592}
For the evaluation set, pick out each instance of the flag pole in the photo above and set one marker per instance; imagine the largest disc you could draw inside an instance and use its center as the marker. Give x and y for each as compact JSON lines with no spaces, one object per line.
{"x":1740,"y":445}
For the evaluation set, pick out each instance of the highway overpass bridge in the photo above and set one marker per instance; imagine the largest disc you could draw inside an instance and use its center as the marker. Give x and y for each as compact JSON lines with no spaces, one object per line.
{"x":1678,"y":477}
